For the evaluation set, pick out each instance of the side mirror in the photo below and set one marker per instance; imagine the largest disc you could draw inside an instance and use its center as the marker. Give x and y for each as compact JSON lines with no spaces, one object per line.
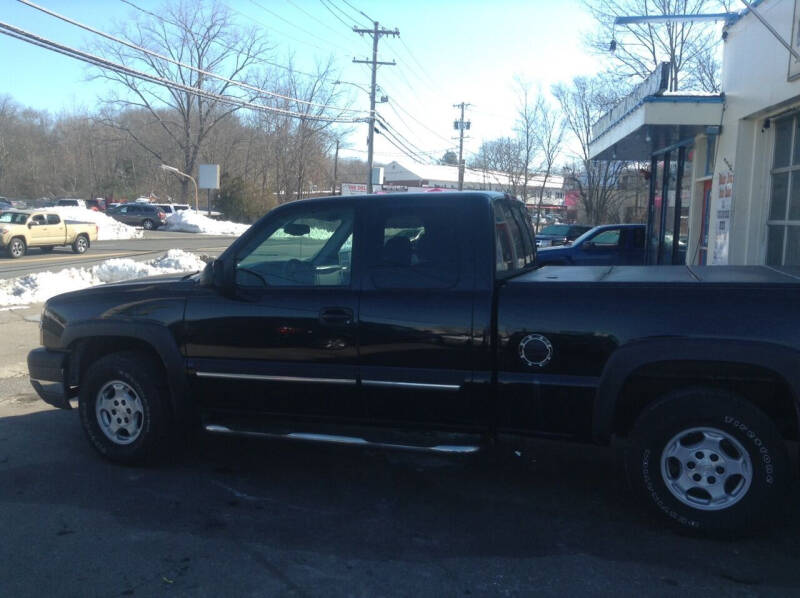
{"x":222,"y":275}
{"x":32,"y":223}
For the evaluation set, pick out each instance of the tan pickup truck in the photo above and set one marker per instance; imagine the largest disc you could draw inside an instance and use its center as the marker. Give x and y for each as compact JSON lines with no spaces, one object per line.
{"x":20,"y":230}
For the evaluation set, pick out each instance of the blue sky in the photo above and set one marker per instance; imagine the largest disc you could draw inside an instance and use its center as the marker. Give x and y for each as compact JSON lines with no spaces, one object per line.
{"x":469,"y":50}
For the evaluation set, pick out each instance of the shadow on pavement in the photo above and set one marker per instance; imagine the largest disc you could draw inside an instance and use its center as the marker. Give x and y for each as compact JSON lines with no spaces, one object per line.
{"x":548,"y":512}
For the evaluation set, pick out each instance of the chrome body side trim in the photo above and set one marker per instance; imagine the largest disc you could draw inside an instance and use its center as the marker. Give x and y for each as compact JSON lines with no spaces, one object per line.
{"x":410,"y":385}
{"x":346,"y":440}
{"x":275,"y":378}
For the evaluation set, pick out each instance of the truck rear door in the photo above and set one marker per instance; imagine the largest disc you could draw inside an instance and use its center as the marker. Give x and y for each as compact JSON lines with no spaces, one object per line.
{"x":416,"y":311}
{"x":56,"y":230}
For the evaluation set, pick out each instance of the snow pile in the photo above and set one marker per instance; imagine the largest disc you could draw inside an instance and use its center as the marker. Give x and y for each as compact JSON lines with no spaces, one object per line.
{"x":319,"y":234}
{"x":189,"y":221}
{"x":108,"y":229}
{"x":38,"y":287}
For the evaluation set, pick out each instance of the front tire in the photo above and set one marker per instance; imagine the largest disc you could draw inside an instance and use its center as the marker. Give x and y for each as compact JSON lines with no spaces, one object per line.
{"x":81,"y":244}
{"x":709,"y":462}
{"x":123,"y":407}
{"x":16,"y":248}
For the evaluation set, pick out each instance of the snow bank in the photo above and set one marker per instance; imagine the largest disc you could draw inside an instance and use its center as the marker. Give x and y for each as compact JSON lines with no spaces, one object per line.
{"x":189,"y":221}
{"x":108,"y":229}
{"x":38,"y":287}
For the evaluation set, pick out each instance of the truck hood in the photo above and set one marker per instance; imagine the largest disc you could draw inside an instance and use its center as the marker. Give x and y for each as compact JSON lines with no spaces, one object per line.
{"x":160,"y":299}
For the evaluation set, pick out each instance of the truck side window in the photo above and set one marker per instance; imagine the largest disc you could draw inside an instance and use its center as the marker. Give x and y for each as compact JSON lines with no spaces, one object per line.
{"x":414,"y":247}
{"x":53,"y":219}
{"x":312,"y":247}
{"x":608,"y":238}
{"x":39,"y":219}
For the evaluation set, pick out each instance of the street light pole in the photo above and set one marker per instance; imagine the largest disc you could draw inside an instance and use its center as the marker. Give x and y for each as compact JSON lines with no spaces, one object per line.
{"x":183,"y":174}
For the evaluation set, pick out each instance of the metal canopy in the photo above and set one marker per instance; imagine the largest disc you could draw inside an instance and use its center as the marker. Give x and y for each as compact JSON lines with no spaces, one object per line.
{"x":657,"y":123}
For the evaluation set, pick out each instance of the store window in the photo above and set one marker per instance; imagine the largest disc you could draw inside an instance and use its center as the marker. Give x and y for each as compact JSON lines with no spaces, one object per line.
{"x":783,"y":221}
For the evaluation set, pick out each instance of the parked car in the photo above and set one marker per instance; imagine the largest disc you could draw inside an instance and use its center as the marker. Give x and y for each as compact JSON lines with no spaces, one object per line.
{"x":98,"y":204}
{"x":78,"y":203}
{"x":610,"y":244}
{"x":22,"y":230}
{"x":6,"y":205}
{"x":384,"y":321}
{"x":559,"y":234}
{"x":171,"y":208}
{"x":147,"y":216}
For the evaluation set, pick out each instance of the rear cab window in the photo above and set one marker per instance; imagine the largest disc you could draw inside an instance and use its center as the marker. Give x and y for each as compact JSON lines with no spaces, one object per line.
{"x":515,"y":249}
{"x":53,"y":219}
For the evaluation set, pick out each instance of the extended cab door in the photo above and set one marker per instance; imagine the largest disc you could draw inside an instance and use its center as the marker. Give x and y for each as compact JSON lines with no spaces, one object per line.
{"x":56,"y":230}
{"x":415,"y":329}
{"x":284,"y":341}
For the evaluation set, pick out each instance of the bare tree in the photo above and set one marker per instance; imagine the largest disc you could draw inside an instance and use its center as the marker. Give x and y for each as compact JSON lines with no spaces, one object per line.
{"x":640,"y":47}
{"x":526,"y":128}
{"x":549,"y":132}
{"x":582,"y":102}
{"x":195,"y":33}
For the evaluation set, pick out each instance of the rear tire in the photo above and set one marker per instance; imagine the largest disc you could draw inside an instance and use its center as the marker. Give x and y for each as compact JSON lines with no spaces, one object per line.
{"x":81,"y":244}
{"x":123,"y":405}
{"x":16,"y":248}
{"x":148,"y":224}
{"x":709,"y":462}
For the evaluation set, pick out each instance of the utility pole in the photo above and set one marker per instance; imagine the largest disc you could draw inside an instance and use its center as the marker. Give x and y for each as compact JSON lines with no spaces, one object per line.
{"x":376,"y":32}
{"x":335,"y":165}
{"x":461,"y":125}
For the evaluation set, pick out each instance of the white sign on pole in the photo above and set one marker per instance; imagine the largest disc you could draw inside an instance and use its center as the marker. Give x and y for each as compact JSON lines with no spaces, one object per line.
{"x":208,"y":176}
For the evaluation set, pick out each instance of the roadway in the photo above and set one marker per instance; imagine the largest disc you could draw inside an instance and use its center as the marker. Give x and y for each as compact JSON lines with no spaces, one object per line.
{"x":152,"y":245}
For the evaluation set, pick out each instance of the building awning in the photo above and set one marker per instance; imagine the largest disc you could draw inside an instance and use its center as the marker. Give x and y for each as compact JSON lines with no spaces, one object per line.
{"x":655,"y":122}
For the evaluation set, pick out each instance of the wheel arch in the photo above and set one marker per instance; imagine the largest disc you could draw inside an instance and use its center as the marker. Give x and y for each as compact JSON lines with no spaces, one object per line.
{"x":88,"y":341}
{"x":765,"y":374}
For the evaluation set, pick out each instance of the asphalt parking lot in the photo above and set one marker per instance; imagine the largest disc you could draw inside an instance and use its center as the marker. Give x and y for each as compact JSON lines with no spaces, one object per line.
{"x":261,"y":518}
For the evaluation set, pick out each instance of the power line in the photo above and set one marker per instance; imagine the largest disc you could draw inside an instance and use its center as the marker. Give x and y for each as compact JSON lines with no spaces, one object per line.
{"x":306,"y":31}
{"x":417,"y":62}
{"x":358,"y":10}
{"x":392,"y":105}
{"x":32,"y":38}
{"x":313,"y":18}
{"x":218,"y":42}
{"x":407,"y":142}
{"x":330,"y":8}
{"x":133,"y":46}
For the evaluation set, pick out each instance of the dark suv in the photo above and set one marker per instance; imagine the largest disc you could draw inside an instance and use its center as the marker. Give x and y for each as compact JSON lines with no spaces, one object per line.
{"x":139,"y":214}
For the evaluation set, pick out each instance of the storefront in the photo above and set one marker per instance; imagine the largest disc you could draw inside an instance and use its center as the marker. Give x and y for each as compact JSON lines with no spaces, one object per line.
{"x":664,"y":130}
{"x":697,"y":145}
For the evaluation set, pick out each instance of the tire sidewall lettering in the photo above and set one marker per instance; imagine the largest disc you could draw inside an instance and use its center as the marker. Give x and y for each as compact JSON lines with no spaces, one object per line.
{"x":761,"y":451}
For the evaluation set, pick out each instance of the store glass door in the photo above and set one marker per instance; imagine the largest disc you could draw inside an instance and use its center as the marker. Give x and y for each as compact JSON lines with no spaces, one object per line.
{"x":668,"y":213}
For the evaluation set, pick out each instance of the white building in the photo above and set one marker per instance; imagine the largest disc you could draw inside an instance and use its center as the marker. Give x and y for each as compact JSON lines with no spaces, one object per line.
{"x":729,"y":164}
{"x":446,"y":177}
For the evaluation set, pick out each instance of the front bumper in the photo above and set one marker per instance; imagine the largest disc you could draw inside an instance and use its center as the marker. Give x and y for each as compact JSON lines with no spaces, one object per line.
{"x":46,"y":370}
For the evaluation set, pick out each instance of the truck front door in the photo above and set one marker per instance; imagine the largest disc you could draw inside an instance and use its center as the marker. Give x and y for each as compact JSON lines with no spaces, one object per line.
{"x":284,"y":343}
{"x":415,"y":329}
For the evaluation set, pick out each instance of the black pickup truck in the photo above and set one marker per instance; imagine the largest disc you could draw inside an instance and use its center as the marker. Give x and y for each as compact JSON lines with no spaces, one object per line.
{"x":423,"y":322}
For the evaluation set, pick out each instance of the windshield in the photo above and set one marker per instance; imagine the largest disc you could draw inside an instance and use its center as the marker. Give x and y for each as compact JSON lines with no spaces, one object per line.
{"x":557,"y":230}
{"x":14,"y":217}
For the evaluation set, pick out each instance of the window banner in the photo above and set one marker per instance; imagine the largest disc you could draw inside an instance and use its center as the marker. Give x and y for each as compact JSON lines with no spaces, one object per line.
{"x":723,"y":218}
